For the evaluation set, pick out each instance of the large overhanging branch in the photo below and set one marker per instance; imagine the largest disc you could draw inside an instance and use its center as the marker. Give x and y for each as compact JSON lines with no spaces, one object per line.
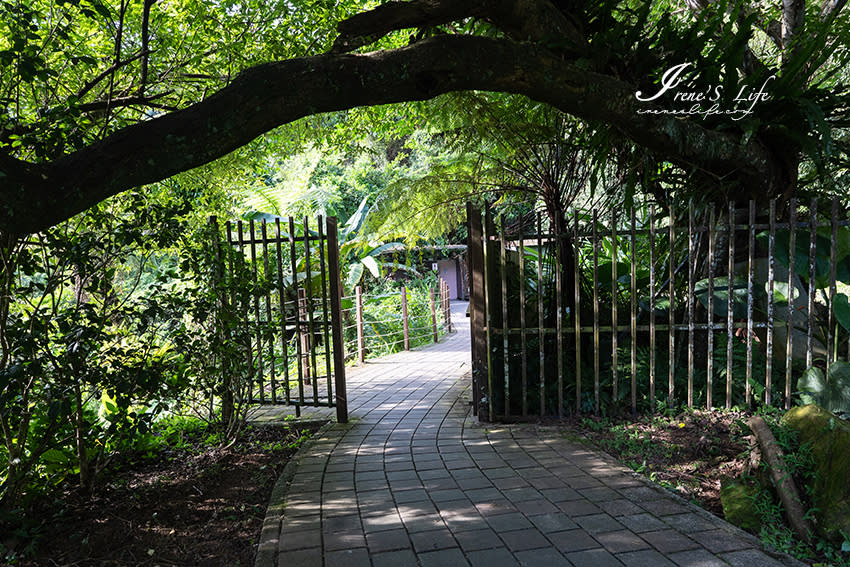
{"x":523,"y":20}
{"x":34,"y":197}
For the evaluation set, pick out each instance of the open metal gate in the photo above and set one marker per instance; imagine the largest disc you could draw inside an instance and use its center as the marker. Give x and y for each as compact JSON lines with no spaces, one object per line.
{"x":278,"y":286}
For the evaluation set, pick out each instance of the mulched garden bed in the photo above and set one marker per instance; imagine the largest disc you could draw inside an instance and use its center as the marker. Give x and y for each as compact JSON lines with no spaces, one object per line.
{"x":194,"y":506}
{"x":691,"y":453}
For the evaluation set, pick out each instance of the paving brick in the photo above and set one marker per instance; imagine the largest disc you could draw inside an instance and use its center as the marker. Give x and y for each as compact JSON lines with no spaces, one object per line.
{"x":291,"y":540}
{"x":475,"y":540}
{"x":620,"y":507}
{"x":383,"y":522}
{"x":599,"y":523}
{"x":553,"y":522}
{"x":696,"y":558}
{"x":541,"y":557}
{"x":621,"y":541}
{"x":444,"y":558}
{"x":750,"y":558}
{"x":573,"y":540}
{"x":664,"y":507}
{"x":344,"y":540}
{"x":644,"y":558}
{"x":347,"y":558}
{"x":521,"y":540}
{"x":403,"y":558}
{"x":718,"y":540}
{"x":690,"y":522}
{"x":390,"y":540}
{"x":594,"y":557}
{"x":643,"y":522}
{"x":599,"y":494}
{"x":577,"y":508}
{"x":432,"y":540}
{"x":499,"y":557}
{"x":301,"y":558}
{"x":495,"y":507}
{"x":508,"y":522}
{"x":669,"y":541}
{"x":535,"y":507}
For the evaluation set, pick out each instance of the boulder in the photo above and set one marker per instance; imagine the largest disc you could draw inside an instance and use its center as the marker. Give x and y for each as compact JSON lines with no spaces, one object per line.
{"x":738,"y":507}
{"x":829,"y":437}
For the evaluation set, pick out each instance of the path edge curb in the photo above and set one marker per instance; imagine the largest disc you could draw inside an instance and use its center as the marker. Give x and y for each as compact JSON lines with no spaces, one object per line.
{"x":267,"y":544}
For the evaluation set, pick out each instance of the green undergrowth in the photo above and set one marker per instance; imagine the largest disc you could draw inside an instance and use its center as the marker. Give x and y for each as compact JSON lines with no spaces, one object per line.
{"x":774,"y":532}
{"x":689,"y":451}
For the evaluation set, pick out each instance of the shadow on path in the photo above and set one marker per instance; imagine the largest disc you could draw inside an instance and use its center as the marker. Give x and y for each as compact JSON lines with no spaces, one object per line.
{"x":415,"y":481}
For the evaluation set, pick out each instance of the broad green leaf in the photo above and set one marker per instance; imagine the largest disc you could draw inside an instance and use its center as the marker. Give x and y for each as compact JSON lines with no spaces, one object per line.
{"x":811,"y":385}
{"x":721,"y":295}
{"x":838,"y":388}
{"x":372,"y":265}
{"x":355,"y":221}
{"x":841,"y":306}
{"x":355,"y":272}
{"x":781,"y":292}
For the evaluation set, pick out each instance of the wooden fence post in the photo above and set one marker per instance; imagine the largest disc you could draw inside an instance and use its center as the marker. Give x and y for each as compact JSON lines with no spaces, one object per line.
{"x":361,"y":343}
{"x":336,"y":321}
{"x":405,"y":322}
{"x":449,"y":306}
{"x":475,"y":269}
{"x":433,"y":313}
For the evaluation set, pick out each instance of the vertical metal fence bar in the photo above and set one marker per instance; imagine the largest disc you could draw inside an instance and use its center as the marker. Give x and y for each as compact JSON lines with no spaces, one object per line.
{"x":730,"y":306}
{"x":559,"y":306}
{"x":832,"y":340}
{"x":595,"y":236}
{"x":311,"y":329}
{"x":221,"y":303}
{"x":750,"y":272}
{"x":614,"y":293}
{"x":284,"y":343}
{"x":523,"y":354}
{"x":326,"y":316}
{"x":258,"y":324}
{"x":633,"y":318}
{"x":503,"y":272}
{"x":361,"y":339}
{"x":709,"y":359}
{"x":405,"y":322}
{"x":269,"y":325}
{"x":541,"y":342}
{"x":296,"y":311}
{"x":652,"y":309}
{"x":691,"y":268}
{"x":434,"y":334}
{"x":488,"y":309}
{"x":671,"y":364}
{"x":234,"y":299}
{"x":771,"y":307}
{"x":577,"y":295}
{"x":792,"y":293}
{"x":813,"y":230}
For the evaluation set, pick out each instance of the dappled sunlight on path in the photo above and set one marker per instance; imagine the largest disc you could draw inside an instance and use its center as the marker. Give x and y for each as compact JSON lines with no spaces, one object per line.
{"x":415,"y":480}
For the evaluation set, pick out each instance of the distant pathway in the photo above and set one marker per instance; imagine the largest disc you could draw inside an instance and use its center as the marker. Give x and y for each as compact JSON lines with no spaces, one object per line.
{"x":414,"y":480}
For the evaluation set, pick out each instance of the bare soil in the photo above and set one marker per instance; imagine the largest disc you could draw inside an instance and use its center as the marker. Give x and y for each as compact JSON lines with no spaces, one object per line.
{"x":195,"y":506}
{"x":691,"y":453}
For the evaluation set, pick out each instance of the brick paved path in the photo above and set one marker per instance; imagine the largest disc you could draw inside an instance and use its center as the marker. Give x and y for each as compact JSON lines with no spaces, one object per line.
{"x":414,"y":480}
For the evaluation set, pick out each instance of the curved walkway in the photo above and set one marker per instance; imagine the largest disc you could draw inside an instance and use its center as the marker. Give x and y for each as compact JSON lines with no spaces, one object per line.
{"x":414,"y":480}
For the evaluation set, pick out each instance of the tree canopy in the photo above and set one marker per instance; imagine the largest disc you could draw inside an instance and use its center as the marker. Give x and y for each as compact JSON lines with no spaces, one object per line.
{"x":97,"y":97}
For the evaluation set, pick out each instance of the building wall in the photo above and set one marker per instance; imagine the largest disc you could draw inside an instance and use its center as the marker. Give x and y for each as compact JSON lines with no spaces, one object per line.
{"x":448,"y":270}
